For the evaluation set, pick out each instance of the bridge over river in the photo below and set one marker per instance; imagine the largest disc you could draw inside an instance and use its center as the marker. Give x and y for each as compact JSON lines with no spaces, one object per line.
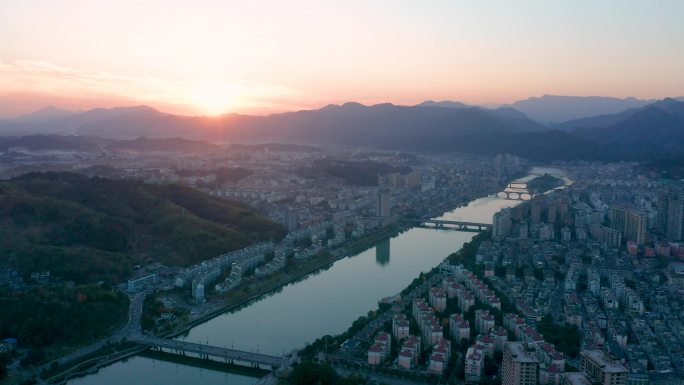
{"x":454,"y":225}
{"x":206,"y":351}
{"x":517,"y":191}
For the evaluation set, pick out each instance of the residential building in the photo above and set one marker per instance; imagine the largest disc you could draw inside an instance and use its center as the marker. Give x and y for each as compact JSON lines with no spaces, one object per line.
{"x":601,"y":369}
{"x":383,"y":203}
{"x":375,"y":354}
{"x":474,"y":363}
{"x":520,"y":364}
{"x":574,"y":378}
{"x":674,"y":221}
{"x":501,"y":225}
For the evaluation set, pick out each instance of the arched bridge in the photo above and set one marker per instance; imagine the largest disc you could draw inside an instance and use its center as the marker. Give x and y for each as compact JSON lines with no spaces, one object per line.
{"x":517,"y":191}
{"x":455,"y":225}
{"x":515,"y":195}
{"x":206,"y":351}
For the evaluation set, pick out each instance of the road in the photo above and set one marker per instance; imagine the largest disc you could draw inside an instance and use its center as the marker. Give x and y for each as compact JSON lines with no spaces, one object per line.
{"x":130,"y":331}
{"x":208,"y":350}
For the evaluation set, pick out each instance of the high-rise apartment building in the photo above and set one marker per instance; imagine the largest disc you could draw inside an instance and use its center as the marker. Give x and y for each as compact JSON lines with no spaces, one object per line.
{"x":520,"y":364}
{"x":501,"y":224}
{"x":383,"y":203}
{"x":290,"y":219}
{"x":536,"y":210}
{"x":635,"y":228}
{"x":674,"y":221}
{"x":630,"y":223}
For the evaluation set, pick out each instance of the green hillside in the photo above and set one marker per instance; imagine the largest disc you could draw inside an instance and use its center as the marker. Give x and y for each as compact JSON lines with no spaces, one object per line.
{"x":87,"y":229}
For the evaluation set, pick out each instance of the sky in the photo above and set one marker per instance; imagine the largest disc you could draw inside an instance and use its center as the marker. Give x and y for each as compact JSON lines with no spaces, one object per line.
{"x":206,"y":57}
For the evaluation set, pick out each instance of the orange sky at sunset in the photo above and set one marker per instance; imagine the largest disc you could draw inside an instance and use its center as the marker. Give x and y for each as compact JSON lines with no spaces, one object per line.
{"x":213,"y":57}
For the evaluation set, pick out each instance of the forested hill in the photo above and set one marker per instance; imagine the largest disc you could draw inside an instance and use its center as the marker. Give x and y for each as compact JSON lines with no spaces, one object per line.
{"x":87,"y":229}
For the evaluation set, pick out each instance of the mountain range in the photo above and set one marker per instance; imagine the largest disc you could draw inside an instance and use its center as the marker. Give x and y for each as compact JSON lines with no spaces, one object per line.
{"x":555,"y":109}
{"x":636,"y":129}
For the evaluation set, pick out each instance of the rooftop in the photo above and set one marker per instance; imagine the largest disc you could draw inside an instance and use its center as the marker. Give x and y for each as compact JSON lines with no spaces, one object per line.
{"x":677,"y":268}
{"x":437,"y":357}
{"x":600,"y":359}
{"x":576,"y":378}
{"x":521,"y":352}
{"x":377,"y":348}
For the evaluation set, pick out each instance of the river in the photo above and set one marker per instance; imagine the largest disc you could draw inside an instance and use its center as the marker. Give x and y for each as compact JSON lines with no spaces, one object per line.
{"x":326,"y":302}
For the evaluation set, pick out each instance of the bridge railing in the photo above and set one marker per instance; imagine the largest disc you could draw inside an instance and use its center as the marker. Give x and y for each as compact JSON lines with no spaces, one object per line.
{"x":233,"y":354}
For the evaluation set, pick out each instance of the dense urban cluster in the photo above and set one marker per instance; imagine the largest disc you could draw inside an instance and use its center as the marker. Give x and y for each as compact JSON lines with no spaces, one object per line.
{"x":320,"y":211}
{"x":602,"y":255}
{"x":313,"y":193}
{"x":579,"y":285}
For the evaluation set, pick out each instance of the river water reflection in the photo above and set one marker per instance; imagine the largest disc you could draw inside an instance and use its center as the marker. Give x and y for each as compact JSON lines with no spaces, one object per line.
{"x":323,"y":303}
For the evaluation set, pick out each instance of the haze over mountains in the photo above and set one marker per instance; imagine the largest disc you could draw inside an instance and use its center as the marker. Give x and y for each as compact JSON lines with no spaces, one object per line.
{"x":620,"y":129}
{"x":554,"y":109}
{"x":45,"y":114}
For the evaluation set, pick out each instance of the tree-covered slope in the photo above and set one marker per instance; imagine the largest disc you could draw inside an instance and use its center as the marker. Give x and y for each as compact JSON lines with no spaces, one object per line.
{"x":88,"y":229}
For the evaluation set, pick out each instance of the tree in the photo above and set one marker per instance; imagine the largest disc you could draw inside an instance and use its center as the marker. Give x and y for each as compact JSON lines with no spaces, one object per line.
{"x":567,"y":338}
{"x":310,"y":373}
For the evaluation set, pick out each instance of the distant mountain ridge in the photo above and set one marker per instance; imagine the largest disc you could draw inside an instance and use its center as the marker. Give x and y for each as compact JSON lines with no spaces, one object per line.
{"x":555,"y":109}
{"x":597,"y":121}
{"x":443,"y":103}
{"x":429,"y":126}
{"x":46,"y":113}
{"x":377,"y":125}
{"x":116,"y":123}
{"x":656,"y":129}
{"x":342,"y":124}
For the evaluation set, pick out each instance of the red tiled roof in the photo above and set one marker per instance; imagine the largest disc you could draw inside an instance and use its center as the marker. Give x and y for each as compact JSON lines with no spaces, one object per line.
{"x":437,"y":357}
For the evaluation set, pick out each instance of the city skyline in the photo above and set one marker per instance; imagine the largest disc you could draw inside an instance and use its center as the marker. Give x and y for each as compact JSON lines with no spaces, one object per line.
{"x":264,"y":57}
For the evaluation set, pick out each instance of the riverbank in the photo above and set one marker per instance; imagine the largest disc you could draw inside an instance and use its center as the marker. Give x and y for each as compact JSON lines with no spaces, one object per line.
{"x":272,"y":284}
{"x":322,"y":290}
{"x":266,"y":287}
{"x":92,"y":362}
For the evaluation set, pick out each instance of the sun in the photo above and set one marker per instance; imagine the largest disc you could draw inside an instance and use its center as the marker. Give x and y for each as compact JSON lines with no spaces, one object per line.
{"x":213,"y":98}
